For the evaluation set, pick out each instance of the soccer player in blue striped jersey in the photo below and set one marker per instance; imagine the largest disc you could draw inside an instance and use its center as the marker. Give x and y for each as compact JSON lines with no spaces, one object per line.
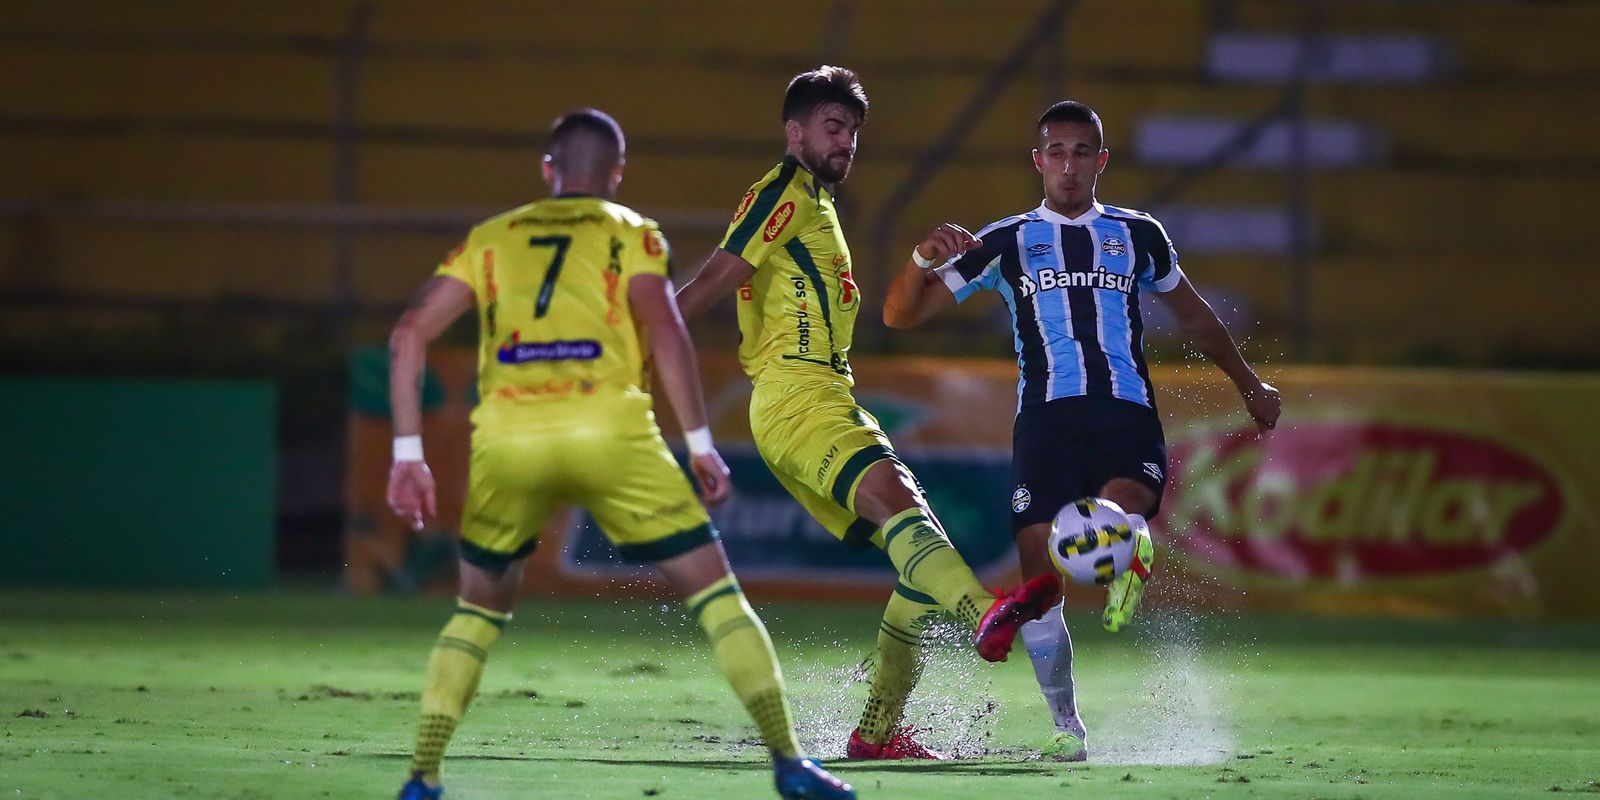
{"x":1071,"y":272}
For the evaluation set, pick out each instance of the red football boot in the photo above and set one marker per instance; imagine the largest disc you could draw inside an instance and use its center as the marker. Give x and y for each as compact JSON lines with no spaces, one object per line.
{"x":900,"y":745}
{"x":1001,"y":622}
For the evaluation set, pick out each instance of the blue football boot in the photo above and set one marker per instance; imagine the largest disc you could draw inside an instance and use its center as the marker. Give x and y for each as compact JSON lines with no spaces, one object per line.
{"x":415,"y":789}
{"x":804,"y":779}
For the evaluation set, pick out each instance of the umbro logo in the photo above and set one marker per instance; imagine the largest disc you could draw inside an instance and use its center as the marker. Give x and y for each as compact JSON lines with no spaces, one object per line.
{"x":1040,"y":249}
{"x":1153,"y":470}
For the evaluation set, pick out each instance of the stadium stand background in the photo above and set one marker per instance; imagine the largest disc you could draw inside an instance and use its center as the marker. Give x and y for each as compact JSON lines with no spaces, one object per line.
{"x":251,"y":188}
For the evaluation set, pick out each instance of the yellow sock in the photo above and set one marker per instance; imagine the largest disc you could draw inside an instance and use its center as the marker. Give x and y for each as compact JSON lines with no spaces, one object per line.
{"x":899,"y":660}
{"x":453,"y":672}
{"x":923,"y":555}
{"x":744,"y":652}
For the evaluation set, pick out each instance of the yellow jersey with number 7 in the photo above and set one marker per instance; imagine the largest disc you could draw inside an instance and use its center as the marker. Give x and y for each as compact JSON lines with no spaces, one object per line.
{"x":556,"y":334}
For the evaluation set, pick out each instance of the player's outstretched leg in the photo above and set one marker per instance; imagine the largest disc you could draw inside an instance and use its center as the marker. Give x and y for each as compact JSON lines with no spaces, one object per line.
{"x":899,"y":666}
{"x":925,"y":559}
{"x":744,"y":652}
{"x":1023,"y":603}
{"x":454,"y":669}
{"x":1125,"y":591}
{"x":1050,"y":648}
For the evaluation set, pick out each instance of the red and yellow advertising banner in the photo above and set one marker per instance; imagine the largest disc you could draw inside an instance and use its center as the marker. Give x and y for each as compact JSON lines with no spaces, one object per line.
{"x":1384,"y":491}
{"x":1381,"y":492}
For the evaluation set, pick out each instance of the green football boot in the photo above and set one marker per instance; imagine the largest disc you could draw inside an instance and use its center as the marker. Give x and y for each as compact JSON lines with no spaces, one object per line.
{"x":1122,"y":596}
{"x":1064,"y":746}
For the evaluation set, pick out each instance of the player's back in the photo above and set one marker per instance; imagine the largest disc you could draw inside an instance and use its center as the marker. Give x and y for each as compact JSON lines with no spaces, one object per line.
{"x":556,"y":332}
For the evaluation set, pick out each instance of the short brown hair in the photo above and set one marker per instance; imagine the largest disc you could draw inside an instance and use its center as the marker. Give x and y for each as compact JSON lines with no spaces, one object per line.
{"x":825,"y":84}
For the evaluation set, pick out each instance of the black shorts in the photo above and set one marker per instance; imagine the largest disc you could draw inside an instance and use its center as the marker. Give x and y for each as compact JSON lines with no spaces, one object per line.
{"x":1070,"y":448}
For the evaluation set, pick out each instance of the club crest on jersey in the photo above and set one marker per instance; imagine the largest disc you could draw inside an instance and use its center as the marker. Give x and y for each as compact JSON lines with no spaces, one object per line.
{"x":778,"y":221}
{"x":1113,"y":246}
{"x":515,"y":351}
{"x":654,"y":244}
{"x":1021,"y":499}
{"x":1099,"y":278}
{"x":744,"y":205}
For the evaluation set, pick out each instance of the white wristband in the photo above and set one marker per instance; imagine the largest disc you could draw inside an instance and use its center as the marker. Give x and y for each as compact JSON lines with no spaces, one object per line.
{"x":924,"y":263}
{"x":408,"y":448}
{"x":699,"y":441}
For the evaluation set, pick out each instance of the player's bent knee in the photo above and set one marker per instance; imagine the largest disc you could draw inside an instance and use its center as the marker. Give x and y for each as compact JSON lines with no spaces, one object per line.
{"x":696,"y":569}
{"x":887,"y":488}
{"x":1133,"y":497}
{"x":495,"y":587}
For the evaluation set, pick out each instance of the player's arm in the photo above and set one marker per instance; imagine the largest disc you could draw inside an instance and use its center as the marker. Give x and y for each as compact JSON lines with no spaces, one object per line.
{"x":1211,"y":338}
{"x":441,"y":301}
{"x":722,"y":273}
{"x":650,"y":297}
{"x":918,"y":293}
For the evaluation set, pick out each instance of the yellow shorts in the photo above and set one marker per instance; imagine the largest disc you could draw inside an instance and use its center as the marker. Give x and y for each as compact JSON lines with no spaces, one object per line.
{"x":818,"y":442}
{"x":627,"y":480}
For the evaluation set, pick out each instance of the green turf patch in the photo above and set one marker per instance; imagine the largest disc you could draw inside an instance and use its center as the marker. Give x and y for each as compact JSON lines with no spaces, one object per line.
{"x":315,"y":695}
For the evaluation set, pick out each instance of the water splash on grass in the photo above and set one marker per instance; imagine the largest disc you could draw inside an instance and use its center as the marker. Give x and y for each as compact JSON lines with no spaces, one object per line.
{"x":1179,"y":712}
{"x":952,"y":709}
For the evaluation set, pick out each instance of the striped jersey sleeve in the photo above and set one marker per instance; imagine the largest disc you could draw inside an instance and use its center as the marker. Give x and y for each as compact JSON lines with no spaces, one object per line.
{"x":979,"y":268}
{"x":1150,"y":238}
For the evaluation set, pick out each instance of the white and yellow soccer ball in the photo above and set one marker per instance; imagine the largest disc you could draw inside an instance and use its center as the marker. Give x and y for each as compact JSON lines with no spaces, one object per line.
{"x":1091,"y":541}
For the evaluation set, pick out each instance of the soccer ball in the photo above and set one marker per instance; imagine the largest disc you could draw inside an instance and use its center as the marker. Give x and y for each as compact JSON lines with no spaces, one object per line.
{"x":1091,"y":541}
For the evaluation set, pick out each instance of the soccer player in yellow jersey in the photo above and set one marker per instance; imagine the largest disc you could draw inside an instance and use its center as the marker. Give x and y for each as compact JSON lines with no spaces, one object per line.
{"x":786,"y":259}
{"x":570,"y":292}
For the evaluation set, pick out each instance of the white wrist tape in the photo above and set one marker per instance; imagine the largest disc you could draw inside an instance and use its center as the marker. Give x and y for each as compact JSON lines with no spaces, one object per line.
{"x":408,"y":448}
{"x":916,"y":256}
{"x":699,"y":441}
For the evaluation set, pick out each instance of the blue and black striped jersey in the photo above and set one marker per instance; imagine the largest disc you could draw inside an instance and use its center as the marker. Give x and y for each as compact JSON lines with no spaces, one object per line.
{"x":1072,"y":286}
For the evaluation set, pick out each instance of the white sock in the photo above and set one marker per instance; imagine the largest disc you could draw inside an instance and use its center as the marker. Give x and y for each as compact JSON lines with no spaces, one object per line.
{"x":1050,"y":647}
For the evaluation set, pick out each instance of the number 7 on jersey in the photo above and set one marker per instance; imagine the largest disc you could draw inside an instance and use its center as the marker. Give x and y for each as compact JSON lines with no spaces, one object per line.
{"x":548,"y":288}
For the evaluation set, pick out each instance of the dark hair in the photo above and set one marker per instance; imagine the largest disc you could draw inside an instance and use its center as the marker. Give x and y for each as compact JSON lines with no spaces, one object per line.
{"x":586,"y":139}
{"x":825,"y":84}
{"x":1072,"y":111}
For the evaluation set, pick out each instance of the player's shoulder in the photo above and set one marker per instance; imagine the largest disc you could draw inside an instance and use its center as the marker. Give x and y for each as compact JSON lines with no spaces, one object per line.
{"x":565,"y":211}
{"x":626,"y":217}
{"x":1005,"y":225}
{"x":787,"y":179}
{"x":1131,"y":215}
{"x":505,"y":218}
{"x":786,"y":173}
{"x":501,"y":222}
{"x":788,"y":191}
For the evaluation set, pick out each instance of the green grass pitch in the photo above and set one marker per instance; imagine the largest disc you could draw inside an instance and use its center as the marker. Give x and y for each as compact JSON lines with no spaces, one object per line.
{"x":313,"y":695}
